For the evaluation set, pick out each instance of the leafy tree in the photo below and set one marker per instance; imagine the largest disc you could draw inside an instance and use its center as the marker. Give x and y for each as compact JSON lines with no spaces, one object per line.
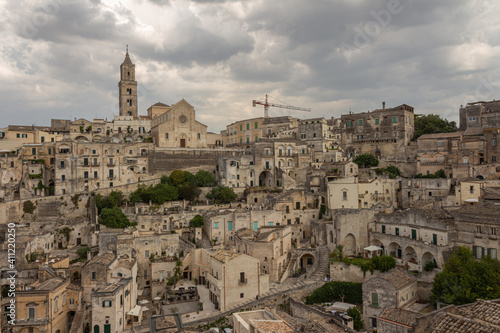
{"x":430,"y":265}
{"x":189,"y":191}
{"x":166,"y":180}
{"x":355,"y":314}
{"x":222,"y":195}
{"x":82,"y":253}
{"x":205,"y":179}
{"x":432,"y":123}
{"x":142,"y":194}
{"x":384,"y":263}
{"x":189,"y":177}
{"x":164,"y":192}
{"x":114,"y":218}
{"x":366,"y":160}
{"x":177,"y":177}
{"x":465,"y":279}
{"x":197,"y":221}
{"x":349,"y":292}
{"x":438,"y":174}
{"x":114,"y":199}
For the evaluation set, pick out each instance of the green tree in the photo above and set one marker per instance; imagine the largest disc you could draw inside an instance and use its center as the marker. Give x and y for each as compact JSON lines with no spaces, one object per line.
{"x":222,"y":195}
{"x":432,"y":123}
{"x":349,"y":292}
{"x":205,"y":179}
{"x":82,"y":252}
{"x":189,"y":191}
{"x":197,"y":221}
{"x":383,"y":263}
{"x":355,"y":314}
{"x":465,"y":279}
{"x":164,"y":192}
{"x":142,"y":194}
{"x":177,"y":177}
{"x":366,"y":160}
{"x":166,"y":180}
{"x":114,"y":218}
{"x":116,"y":198}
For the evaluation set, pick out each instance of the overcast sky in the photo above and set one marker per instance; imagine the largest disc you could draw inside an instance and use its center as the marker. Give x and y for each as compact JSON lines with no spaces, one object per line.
{"x":61,"y":58}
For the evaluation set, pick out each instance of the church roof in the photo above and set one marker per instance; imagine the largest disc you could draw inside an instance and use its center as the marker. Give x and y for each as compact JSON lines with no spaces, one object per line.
{"x":127,"y":60}
{"x":160,"y":104}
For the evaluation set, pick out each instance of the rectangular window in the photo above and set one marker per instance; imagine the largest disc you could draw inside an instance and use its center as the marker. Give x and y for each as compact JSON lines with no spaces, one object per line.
{"x":344,"y":195}
{"x":241,"y":127}
{"x":397,"y":231}
{"x":383,"y":229}
{"x":146,"y":254}
{"x":360,"y":122}
{"x":377,"y":121}
{"x":50,"y":151}
{"x":255,"y":226}
{"x":256,"y":125}
{"x":216,"y":225}
{"x":43,"y":139}
{"x":394,"y":120}
{"x":93,"y":276}
{"x":248,"y":126}
{"x":413,"y":234}
{"x":18,"y":135}
{"x":256,"y":138}
{"x":86,"y":174}
{"x":33,"y":151}
{"x":31,"y":313}
{"x":434,"y":239}
{"x":374,"y":300}
{"x":348,"y":123}
{"x":230,"y":226}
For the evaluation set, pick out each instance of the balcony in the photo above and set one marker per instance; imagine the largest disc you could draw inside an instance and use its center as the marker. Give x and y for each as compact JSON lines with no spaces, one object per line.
{"x":95,"y":164}
{"x":243,"y":281}
{"x":214,"y":281}
{"x":111,"y":164}
{"x":111,"y":177}
{"x":32,"y":322}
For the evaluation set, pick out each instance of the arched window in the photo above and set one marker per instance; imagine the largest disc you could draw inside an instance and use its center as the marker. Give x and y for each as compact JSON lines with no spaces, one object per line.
{"x":96,"y":329}
{"x":166,"y":136}
{"x":199,"y":136}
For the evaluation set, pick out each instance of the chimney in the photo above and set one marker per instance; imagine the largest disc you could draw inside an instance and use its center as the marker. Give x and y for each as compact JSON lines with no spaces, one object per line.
{"x":383,"y":105}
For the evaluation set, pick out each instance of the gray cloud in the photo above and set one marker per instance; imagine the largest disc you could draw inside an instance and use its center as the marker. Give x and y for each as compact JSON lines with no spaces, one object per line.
{"x":61,"y":59}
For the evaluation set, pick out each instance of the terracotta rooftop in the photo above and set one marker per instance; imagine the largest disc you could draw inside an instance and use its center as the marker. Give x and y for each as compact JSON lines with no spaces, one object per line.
{"x":400,"y":316}
{"x":455,"y":324}
{"x":398,"y":278}
{"x":221,"y":254}
{"x":486,"y":311}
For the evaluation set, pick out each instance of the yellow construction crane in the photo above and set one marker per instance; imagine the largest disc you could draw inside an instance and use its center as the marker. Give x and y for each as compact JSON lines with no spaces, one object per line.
{"x":283,"y":106}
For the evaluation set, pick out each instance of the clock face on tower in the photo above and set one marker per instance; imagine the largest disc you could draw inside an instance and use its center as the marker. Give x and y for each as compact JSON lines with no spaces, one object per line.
{"x":183,"y":119}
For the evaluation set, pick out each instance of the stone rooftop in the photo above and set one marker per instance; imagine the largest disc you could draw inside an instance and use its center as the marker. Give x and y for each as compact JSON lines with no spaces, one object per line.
{"x":456,"y":324}
{"x":399,"y":278}
{"x":486,"y":311}
{"x":221,"y":254}
{"x":271,"y":326}
{"x":400,"y":316}
{"x":103,"y":259}
{"x":50,"y":284}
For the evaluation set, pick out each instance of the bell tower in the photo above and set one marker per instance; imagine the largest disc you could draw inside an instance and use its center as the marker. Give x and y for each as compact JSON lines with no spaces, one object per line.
{"x":128,"y":88}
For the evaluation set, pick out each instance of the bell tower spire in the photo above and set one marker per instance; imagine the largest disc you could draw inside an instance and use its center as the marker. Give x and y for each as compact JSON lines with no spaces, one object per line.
{"x":127,"y":88}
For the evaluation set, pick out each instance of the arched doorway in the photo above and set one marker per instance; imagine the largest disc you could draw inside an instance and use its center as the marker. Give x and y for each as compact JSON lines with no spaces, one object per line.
{"x":350,"y":245}
{"x":395,"y":250}
{"x":410,"y":255}
{"x":306,"y":262}
{"x":266,"y":178}
{"x":426,"y":257}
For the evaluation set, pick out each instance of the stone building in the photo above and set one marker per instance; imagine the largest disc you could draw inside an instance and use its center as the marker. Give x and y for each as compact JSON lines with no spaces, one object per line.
{"x":111,"y":306}
{"x":106,"y":269}
{"x":235,"y":278}
{"x":479,"y":115}
{"x":414,"y":236}
{"x":350,"y":193}
{"x":87,"y":166}
{"x":271,"y":245}
{"x":478,"y":227}
{"x":48,"y":306}
{"x":248,"y":131}
{"x":382,"y":132}
{"x":127,"y":88}
{"x":145,"y":247}
{"x":418,"y":189}
{"x":178,"y":128}
{"x":397,"y":289}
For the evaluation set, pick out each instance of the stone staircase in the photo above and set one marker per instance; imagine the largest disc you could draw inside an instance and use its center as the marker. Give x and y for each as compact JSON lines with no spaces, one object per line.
{"x":76,"y":326}
{"x":323,"y":265}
